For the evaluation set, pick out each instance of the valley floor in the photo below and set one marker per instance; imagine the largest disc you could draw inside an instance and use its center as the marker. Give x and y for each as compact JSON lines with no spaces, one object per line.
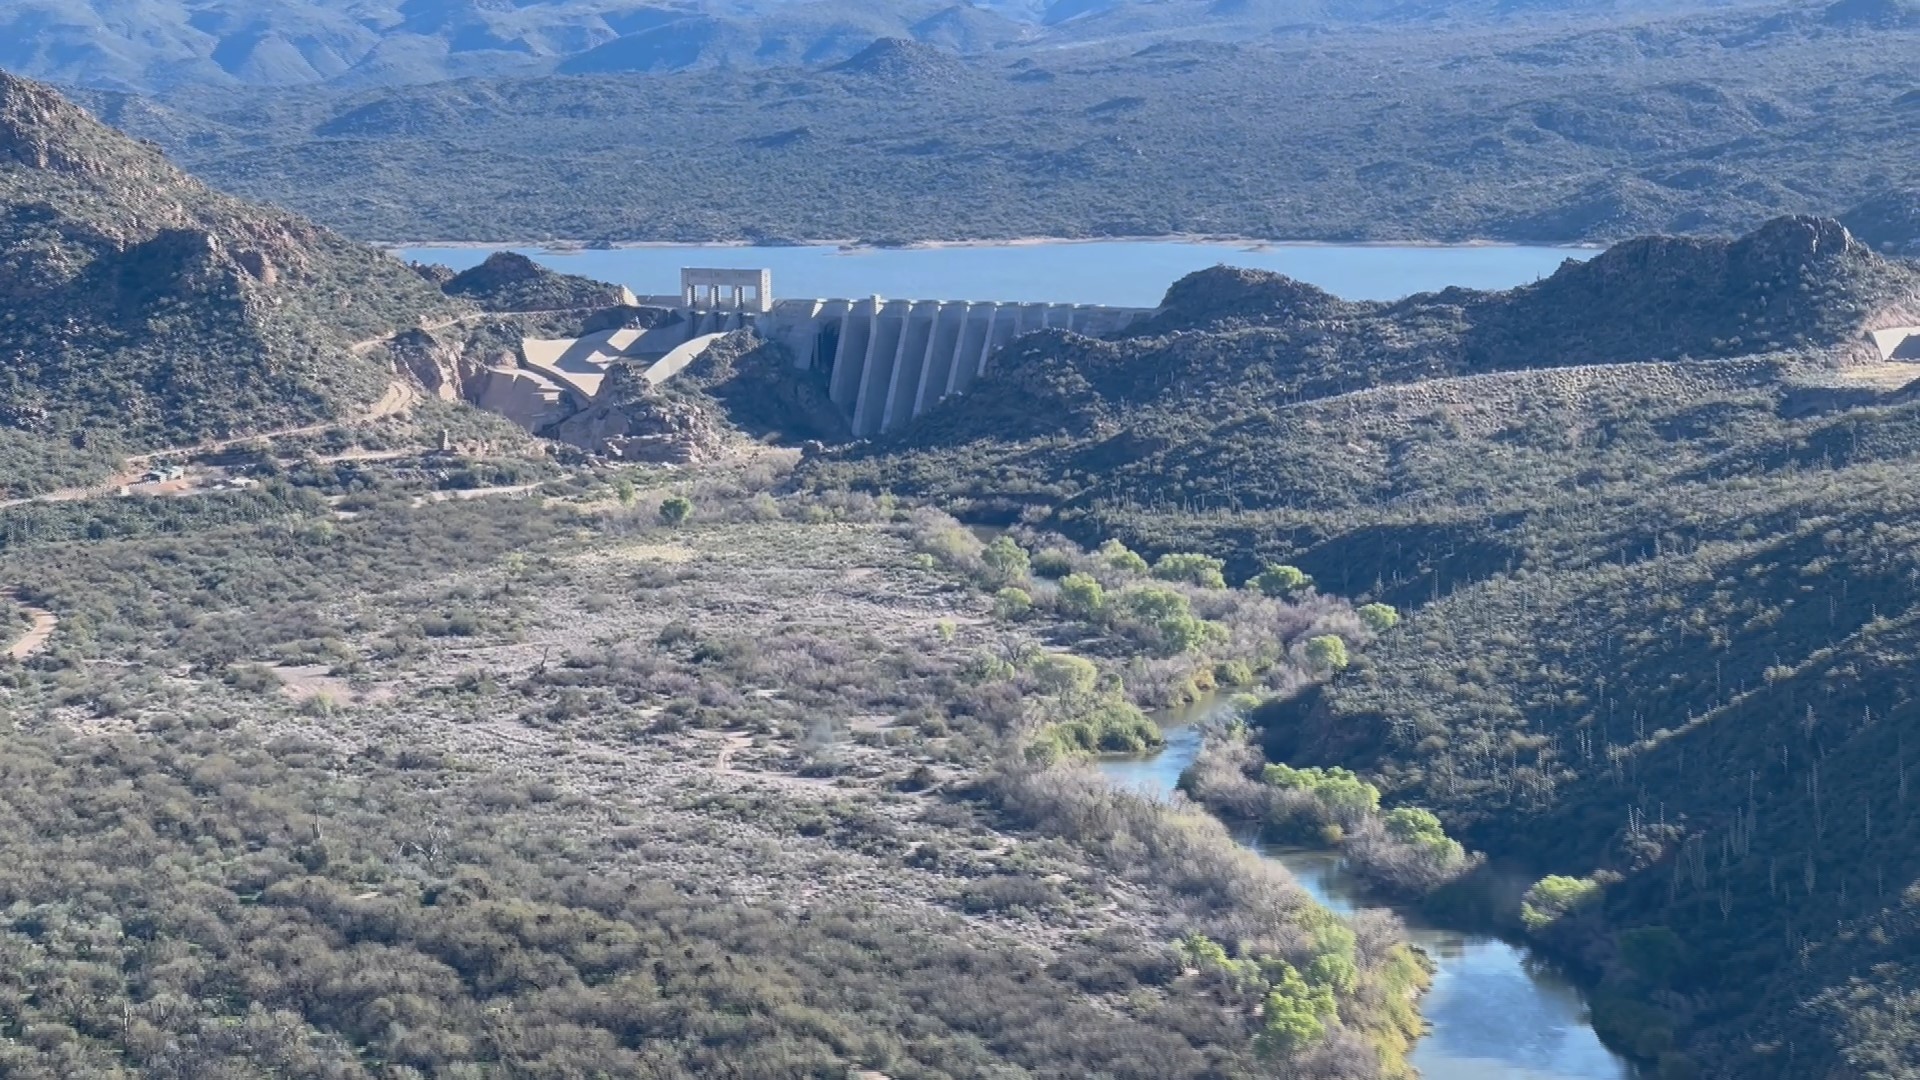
{"x":423,"y":758}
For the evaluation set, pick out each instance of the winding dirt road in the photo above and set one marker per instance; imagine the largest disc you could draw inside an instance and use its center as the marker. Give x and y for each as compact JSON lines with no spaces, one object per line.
{"x":38,"y":635}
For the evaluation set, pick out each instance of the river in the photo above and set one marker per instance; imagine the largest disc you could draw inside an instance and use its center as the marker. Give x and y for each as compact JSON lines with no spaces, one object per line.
{"x":1496,"y":1011}
{"x":1118,"y":273}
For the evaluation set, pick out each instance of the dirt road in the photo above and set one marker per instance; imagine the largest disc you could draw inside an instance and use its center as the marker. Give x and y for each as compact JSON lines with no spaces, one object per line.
{"x":38,"y":635}
{"x":400,"y":396}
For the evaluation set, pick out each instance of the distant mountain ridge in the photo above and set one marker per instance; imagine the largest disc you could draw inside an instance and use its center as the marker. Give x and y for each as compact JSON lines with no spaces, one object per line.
{"x":1538,"y":125}
{"x":162,"y":45}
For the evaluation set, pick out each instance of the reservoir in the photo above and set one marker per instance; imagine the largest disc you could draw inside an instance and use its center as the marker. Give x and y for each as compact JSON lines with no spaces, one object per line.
{"x":1496,"y":1011}
{"x":1115,"y":273}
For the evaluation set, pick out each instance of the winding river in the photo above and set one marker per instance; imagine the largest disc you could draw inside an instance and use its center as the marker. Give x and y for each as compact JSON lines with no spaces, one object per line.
{"x":1496,"y":1011}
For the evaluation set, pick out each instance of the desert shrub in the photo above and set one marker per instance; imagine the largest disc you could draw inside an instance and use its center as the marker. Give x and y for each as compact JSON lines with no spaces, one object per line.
{"x":1327,"y":652}
{"x":1006,"y":561}
{"x":1346,"y":797}
{"x":1163,"y":619}
{"x":1553,"y":896}
{"x":1012,"y":603}
{"x":1379,"y":618}
{"x":1052,"y":563}
{"x":1294,"y":1012}
{"x":1082,"y":596}
{"x":1655,"y":955}
{"x":1192,"y":568}
{"x":1642,"y":1029}
{"x":1064,"y":673}
{"x":1277,"y":579}
{"x":1420,"y":828}
{"x":1110,"y":727}
{"x":1009,"y":892}
{"x":1233,"y":673}
{"x":1119,"y":557}
{"x":675,"y":509}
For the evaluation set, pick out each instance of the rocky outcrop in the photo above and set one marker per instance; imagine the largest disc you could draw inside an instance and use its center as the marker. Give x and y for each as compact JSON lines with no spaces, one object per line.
{"x":509,"y":281}
{"x":630,"y":421}
{"x":1223,"y":295}
{"x":903,"y":66}
{"x":1801,"y":283}
{"x":434,"y":273}
{"x":41,"y":130}
{"x":442,"y":367}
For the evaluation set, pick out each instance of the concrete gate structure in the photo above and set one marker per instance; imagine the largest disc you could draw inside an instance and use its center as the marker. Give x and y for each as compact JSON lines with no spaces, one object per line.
{"x":734,"y":290}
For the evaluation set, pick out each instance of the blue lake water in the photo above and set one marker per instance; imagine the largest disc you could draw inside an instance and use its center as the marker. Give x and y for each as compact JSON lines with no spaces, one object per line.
{"x":1495,"y":1010}
{"x":1120,"y":273}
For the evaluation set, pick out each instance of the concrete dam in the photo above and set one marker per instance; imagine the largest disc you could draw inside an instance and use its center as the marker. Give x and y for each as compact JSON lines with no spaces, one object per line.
{"x":888,"y":361}
{"x":884,"y":361}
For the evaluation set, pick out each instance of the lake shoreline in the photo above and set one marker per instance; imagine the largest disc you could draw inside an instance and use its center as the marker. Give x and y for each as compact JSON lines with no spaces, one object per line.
{"x":1104,"y":273}
{"x":855,"y":247}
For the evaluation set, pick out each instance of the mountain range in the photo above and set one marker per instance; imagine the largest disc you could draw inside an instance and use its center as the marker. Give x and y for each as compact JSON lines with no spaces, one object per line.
{"x":166,"y":45}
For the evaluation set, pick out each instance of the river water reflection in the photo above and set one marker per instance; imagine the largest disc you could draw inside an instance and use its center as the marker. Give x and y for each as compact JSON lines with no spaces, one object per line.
{"x":1496,"y":1011}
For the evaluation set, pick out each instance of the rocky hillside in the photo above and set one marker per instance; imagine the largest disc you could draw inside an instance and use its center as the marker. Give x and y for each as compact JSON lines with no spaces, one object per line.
{"x":1890,"y":222}
{"x":511,"y":282}
{"x":1686,"y":673}
{"x":1212,"y":404}
{"x":140,"y":308}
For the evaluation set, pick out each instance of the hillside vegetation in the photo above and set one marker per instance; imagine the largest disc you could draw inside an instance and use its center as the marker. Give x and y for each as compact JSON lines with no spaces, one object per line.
{"x":1279,"y":420}
{"x":396,"y":745}
{"x":511,"y":282}
{"x":140,"y":309}
{"x":1547,"y":123}
{"x":1695,"y":686}
{"x":144,"y":312}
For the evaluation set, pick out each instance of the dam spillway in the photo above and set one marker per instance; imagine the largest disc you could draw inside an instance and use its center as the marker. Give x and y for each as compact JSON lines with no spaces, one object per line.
{"x":885,"y":362}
